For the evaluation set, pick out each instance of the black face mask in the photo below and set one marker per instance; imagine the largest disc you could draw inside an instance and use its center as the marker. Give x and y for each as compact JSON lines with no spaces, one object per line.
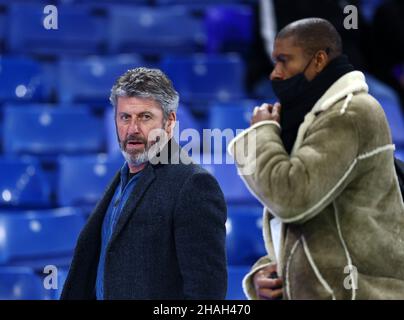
{"x":291,"y":89}
{"x":298,"y":95}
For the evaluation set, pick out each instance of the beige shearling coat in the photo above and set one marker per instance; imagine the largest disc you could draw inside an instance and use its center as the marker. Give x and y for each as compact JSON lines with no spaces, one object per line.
{"x":337,"y":196}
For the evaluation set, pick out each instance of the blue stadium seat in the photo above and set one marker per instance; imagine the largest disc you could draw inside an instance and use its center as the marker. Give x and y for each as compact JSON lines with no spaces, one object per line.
{"x":199,"y":2}
{"x":91,"y":79}
{"x":187,"y":128}
{"x":244,"y":242}
{"x":399,"y":154}
{"x":229,"y":28}
{"x":21,"y":283}
{"x":62,"y":276}
{"x":49,"y":131}
{"x":263,"y":90}
{"x":232,"y":116}
{"x":3,"y":22}
{"x":83,"y":179}
{"x":368,"y":9}
{"x":114,"y":2}
{"x":22,"y":183}
{"x":203,"y":77}
{"x":391,"y":106}
{"x":185,"y":118}
{"x":21,"y":79}
{"x":395,"y":118}
{"x":36,"y":238}
{"x":155,"y":30}
{"x":80,"y":30}
{"x":1,"y":132}
{"x":24,"y":283}
{"x":233,"y":187}
{"x":234,"y":282}
{"x":112,"y":141}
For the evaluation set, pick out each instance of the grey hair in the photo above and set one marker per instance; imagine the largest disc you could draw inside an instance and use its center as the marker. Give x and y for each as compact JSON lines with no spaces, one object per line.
{"x":149,"y":84}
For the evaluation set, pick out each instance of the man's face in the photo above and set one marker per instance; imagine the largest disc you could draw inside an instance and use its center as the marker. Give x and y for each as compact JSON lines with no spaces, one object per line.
{"x":290,"y":60}
{"x":135,"y":119}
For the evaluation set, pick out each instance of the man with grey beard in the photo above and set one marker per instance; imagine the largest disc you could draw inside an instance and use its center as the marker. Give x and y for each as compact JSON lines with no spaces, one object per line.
{"x":159,"y":230}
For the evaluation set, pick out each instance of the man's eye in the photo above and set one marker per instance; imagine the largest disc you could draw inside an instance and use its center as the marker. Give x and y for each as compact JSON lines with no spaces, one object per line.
{"x":145,"y":117}
{"x":281,"y":59}
{"x":124,"y":117}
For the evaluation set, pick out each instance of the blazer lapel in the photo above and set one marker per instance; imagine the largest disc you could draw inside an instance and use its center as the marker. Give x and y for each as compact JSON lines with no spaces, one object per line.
{"x":142,"y":185}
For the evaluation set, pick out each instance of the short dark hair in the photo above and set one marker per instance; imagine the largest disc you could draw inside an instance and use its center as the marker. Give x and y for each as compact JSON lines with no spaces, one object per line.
{"x":312,"y":35}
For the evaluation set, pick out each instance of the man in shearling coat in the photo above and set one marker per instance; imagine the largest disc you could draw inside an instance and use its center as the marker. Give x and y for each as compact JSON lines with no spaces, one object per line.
{"x":323,"y":169}
{"x":159,"y":230}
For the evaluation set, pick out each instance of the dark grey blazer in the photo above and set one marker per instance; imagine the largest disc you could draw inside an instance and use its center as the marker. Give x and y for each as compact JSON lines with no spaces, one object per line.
{"x":169,"y":242}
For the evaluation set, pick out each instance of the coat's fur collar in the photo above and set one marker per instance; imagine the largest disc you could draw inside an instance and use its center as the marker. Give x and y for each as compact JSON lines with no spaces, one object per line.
{"x":349,"y":84}
{"x":352,"y":82}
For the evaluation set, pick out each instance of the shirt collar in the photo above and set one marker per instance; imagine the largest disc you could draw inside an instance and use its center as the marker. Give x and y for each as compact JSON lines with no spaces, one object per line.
{"x":125,"y":173}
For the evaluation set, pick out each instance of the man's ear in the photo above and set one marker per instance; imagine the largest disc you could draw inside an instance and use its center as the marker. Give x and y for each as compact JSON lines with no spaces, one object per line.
{"x":321,"y":60}
{"x":170,"y":124}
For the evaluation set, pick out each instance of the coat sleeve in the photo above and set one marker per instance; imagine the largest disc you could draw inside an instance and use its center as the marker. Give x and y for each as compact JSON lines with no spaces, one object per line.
{"x":200,"y":233}
{"x":295,"y":188}
{"x":248,"y":284}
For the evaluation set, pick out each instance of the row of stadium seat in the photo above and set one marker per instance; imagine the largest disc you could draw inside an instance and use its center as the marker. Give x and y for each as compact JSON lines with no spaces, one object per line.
{"x":21,"y":283}
{"x":45,"y":129}
{"x":49,"y":237}
{"x":26,"y":184}
{"x":196,"y":77}
{"x":36,"y":238}
{"x":102,"y":27}
{"x":39,"y":237}
{"x":135,"y":2}
{"x":42,"y":130}
{"x":48,"y":129}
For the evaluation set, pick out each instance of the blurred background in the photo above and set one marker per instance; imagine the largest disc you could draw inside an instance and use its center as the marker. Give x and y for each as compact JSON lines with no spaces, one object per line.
{"x":58,"y":147}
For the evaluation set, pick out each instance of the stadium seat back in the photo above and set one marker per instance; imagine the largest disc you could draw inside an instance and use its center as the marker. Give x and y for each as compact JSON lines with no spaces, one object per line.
{"x":83,"y":179}
{"x":23,"y":183}
{"x":78,"y":30}
{"x":31,"y":235}
{"x":202,"y":77}
{"x":91,"y":79}
{"x":245,"y":243}
{"x":50,"y":131}
{"x":150,"y":30}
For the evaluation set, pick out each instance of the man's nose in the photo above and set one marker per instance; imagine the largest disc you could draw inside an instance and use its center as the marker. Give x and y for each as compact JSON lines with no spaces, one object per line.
{"x":276,"y":74}
{"x":134,"y":127}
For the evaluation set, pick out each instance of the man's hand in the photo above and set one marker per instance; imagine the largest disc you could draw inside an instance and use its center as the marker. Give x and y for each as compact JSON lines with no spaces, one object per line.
{"x":267,"y":112}
{"x":267,"y":285}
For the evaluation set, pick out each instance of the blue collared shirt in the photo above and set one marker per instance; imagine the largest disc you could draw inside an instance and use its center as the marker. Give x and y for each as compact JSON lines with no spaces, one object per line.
{"x":122,"y":193}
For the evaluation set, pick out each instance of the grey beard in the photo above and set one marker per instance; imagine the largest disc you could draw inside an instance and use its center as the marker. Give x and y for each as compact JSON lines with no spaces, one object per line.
{"x":140,"y":158}
{"x":136,"y":160}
